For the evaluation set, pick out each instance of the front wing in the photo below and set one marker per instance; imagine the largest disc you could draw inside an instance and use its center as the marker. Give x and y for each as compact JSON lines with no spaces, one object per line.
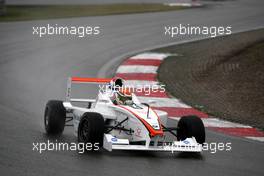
{"x":188,"y":145}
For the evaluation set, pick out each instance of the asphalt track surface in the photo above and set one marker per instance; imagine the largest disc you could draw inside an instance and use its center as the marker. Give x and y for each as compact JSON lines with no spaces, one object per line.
{"x":34,"y":70}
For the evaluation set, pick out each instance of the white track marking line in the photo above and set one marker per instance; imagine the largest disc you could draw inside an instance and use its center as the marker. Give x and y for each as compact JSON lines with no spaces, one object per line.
{"x":261,"y":139}
{"x":163,"y":102}
{"x":215,"y":122}
{"x":158,"y":56}
{"x":137,"y":69}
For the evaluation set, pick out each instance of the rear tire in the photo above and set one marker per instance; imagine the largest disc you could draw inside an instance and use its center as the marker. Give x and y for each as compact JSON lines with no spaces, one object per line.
{"x":191,"y":126}
{"x":54,"y":117}
{"x":91,"y":129}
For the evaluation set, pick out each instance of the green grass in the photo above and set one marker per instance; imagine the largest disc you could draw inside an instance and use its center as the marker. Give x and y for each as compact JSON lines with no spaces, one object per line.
{"x":36,"y":12}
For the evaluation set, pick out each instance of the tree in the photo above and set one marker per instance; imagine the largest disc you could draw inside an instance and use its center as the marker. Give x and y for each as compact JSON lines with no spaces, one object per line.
{"x":2,"y":7}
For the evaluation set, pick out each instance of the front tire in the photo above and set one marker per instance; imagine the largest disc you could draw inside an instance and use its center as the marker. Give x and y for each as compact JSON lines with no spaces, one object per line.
{"x":191,"y":126}
{"x":91,"y":129}
{"x":54,"y":117}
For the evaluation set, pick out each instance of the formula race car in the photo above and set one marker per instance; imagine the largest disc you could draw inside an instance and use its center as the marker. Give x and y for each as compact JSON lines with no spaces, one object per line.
{"x":117,"y":120}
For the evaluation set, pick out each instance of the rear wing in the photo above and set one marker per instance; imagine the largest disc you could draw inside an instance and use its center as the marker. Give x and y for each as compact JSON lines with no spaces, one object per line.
{"x":81,"y":80}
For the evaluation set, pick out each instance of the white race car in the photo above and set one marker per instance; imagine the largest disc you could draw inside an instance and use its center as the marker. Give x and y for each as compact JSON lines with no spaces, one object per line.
{"x":129,"y":126}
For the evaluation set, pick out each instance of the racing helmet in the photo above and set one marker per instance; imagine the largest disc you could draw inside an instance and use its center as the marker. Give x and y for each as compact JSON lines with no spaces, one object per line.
{"x":124,"y":97}
{"x":116,"y":83}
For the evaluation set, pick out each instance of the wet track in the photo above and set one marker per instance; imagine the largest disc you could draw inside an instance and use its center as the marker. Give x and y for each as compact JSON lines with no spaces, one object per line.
{"x":33,"y":70}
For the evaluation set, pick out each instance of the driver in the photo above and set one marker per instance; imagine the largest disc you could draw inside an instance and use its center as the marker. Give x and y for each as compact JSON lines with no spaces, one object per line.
{"x":123,"y":97}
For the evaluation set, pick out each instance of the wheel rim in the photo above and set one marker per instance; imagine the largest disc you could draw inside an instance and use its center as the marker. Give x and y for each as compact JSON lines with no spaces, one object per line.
{"x":46,"y":121}
{"x":84,"y":131}
{"x":46,"y":118}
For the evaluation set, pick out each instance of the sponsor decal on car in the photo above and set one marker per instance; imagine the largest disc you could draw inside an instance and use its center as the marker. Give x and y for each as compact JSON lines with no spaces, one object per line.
{"x":114,"y":139}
